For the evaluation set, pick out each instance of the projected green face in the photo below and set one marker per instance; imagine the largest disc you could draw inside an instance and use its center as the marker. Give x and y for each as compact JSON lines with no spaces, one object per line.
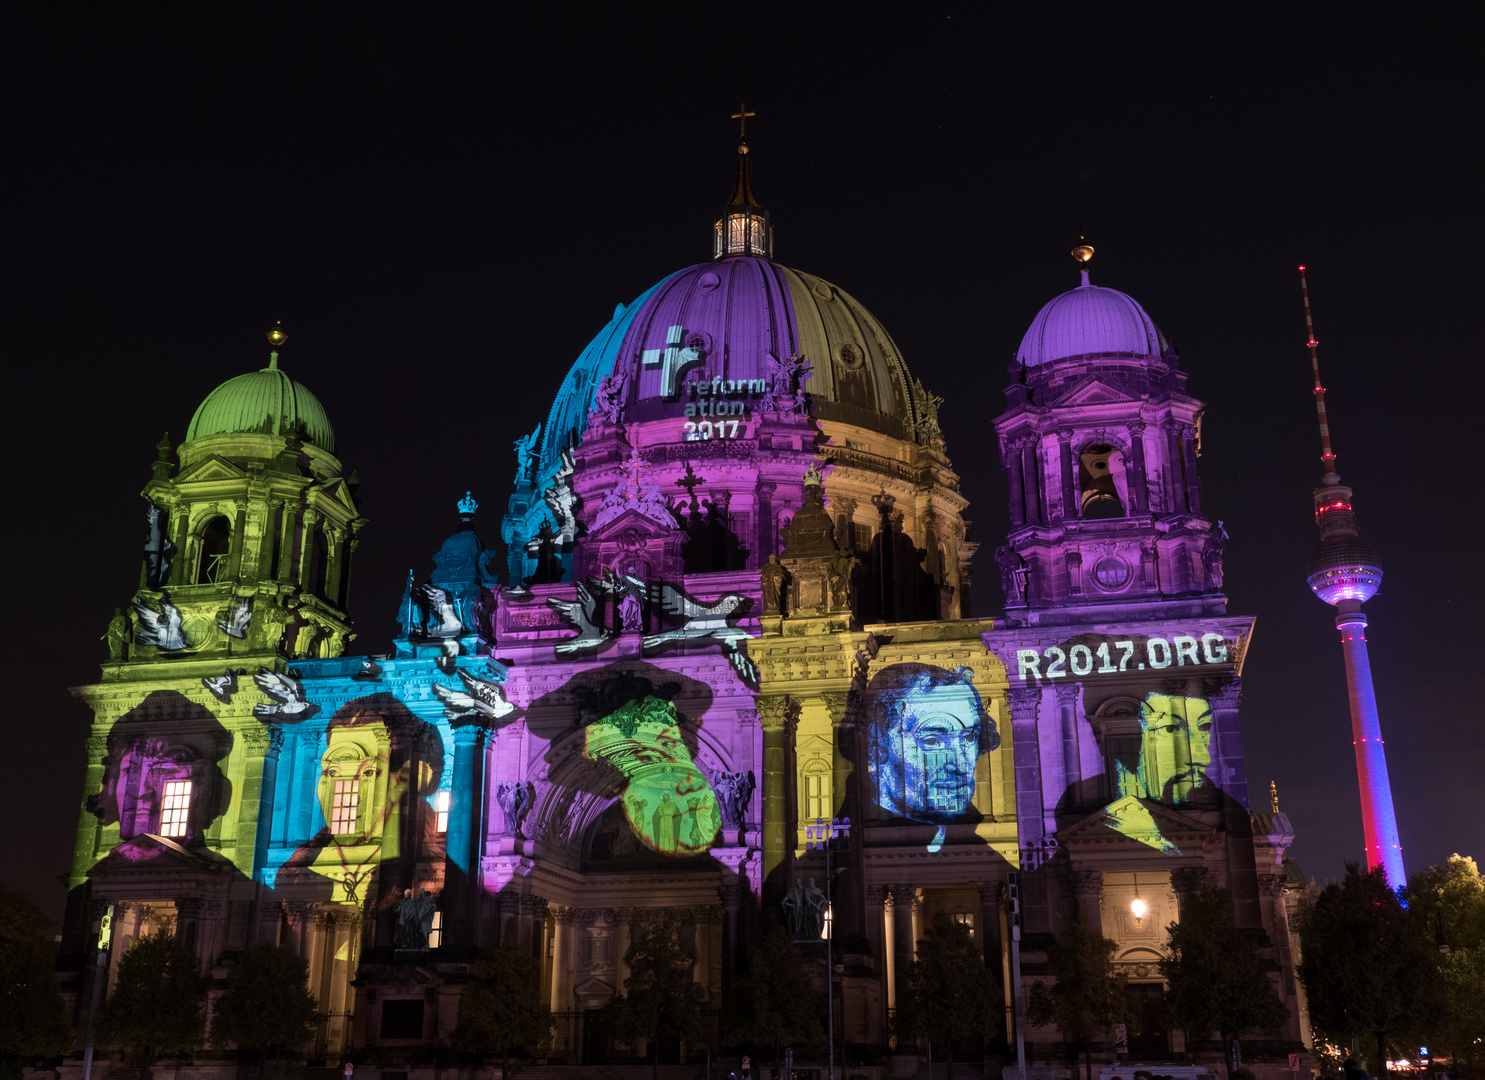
{"x":667,"y":800}
{"x":1176,"y":747}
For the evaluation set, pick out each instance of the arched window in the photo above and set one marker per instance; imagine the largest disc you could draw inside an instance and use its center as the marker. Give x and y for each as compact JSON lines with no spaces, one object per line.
{"x":817,"y":801}
{"x":1101,"y":482}
{"x":216,"y":551}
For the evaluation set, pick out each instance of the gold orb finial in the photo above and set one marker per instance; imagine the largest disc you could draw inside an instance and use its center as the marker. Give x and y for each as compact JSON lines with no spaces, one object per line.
{"x":1082,"y":250}
{"x":276,"y":336}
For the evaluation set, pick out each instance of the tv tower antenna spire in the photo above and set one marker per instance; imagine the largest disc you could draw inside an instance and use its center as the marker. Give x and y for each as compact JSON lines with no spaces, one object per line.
{"x":1345,"y":572}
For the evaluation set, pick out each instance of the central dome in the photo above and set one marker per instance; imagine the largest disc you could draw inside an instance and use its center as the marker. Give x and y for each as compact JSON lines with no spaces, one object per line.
{"x":1090,"y":321}
{"x":265,"y":402}
{"x":734,"y":317}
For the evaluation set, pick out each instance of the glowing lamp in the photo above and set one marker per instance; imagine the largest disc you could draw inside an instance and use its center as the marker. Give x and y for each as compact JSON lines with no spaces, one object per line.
{"x":1139,"y":907}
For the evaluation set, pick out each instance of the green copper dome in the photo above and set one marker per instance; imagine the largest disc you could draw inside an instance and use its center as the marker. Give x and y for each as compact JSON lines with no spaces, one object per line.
{"x":265,"y":402}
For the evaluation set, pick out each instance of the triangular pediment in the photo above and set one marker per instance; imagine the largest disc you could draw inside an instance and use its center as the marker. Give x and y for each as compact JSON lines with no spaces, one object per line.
{"x":1139,"y":822}
{"x":340,"y":491}
{"x":632,"y":520}
{"x":1094,"y":391}
{"x":593,"y":988}
{"x":213,"y":467}
{"x":151,"y":855}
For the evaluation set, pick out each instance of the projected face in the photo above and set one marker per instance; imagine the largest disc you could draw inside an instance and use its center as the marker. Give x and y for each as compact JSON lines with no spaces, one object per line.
{"x":926,"y":733}
{"x":1175,"y":748}
{"x":377,"y":755}
{"x":667,"y":800}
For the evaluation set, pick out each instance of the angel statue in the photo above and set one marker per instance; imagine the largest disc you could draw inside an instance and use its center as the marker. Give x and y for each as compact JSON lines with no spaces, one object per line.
{"x":525,"y":448}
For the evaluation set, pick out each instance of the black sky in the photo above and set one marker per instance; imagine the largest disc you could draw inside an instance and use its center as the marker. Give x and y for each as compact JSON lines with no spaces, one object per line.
{"x":443,"y":203}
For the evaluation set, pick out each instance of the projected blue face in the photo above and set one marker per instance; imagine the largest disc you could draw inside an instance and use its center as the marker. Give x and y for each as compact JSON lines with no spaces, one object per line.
{"x":927,"y":730}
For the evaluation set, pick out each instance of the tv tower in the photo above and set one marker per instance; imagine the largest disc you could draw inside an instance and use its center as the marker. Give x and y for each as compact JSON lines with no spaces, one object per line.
{"x":1345,"y":572}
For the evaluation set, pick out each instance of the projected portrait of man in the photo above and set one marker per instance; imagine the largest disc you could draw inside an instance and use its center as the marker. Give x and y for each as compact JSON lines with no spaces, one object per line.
{"x":1175,"y":746}
{"x":668,"y":803}
{"x":378,"y":757}
{"x":926,"y":729}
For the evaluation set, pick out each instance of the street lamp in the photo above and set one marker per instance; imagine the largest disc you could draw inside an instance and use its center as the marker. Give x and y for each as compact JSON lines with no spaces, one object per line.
{"x":822,"y":835}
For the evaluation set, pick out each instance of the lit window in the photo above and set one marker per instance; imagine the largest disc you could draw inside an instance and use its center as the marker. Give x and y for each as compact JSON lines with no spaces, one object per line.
{"x":175,"y":808}
{"x":829,"y":922}
{"x":442,"y":803}
{"x":345,"y":809}
{"x":435,"y":935}
{"x":965,"y":919}
{"x":816,"y":796}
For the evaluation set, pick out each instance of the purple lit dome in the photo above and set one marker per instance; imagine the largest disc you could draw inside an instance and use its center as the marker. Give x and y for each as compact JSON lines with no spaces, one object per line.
{"x":737,"y":314}
{"x":1344,"y":568}
{"x":1091,"y":321}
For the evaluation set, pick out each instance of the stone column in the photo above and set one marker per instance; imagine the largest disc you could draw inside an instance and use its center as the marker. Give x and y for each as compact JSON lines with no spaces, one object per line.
{"x":1193,"y":482}
{"x":238,"y":542}
{"x":1175,"y":485}
{"x":1023,"y":705}
{"x":765,"y":521}
{"x":1074,"y":560}
{"x":1069,"y":476}
{"x":990,"y":923}
{"x":1068,"y":698}
{"x":1031,"y":482}
{"x":1087,"y":890}
{"x":776,"y":714}
{"x":464,"y":798}
{"x":288,"y":526}
{"x":1139,"y":496}
{"x":904,"y":897}
{"x":308,"y":519}
{"x":1013,"y":470}
{"x":731,"y":897}
{"x":1187,"y":881}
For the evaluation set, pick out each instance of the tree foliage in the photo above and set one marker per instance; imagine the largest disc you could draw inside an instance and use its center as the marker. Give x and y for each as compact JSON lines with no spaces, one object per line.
{"x":949,"y":991}
{"x":773,"y":1003}
{"x":1366,"y":968}
{"x":267,"y":1006}
{"x":1088,"y":997}
{"x":33,"y":1020}
{"x":1216,"y":978}
{"x":158,"y":1002}
{"x":501,"y":1010}
{"x":660,"y":997}
{"x":1448,"y":904}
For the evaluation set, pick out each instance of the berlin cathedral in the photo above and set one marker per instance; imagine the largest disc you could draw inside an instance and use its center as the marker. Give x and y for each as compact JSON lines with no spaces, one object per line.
{"x":733,"y":611}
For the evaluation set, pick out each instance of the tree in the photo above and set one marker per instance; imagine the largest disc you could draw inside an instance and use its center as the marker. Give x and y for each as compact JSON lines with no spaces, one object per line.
{"x":948,"y":995}
{"x":158,"y":1002}
{"x":501,"y":1010}
{"x":1216,"y":979}
{"x":267,"y":1006}
{"x":1447,"y":903}
{"x":32,"y":1017}
{"x":1088,"y":996}
{"x":1366,"y":967}
{"x":660,"y":997}
{"x":773,"y":1003}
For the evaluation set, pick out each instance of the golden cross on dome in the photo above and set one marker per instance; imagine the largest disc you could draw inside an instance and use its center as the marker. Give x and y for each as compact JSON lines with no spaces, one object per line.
{"x":741,"y":116}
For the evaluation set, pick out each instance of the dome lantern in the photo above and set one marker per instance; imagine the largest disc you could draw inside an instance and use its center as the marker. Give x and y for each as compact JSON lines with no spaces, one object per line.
{"x":745,"y":227}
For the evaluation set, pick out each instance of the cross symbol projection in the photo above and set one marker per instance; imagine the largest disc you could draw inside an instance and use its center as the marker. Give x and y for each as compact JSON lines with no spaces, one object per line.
{"x":741,"y":116}
{"x":690,"y":482}
{"x":631,"y":466}
{"x":822,"y":832}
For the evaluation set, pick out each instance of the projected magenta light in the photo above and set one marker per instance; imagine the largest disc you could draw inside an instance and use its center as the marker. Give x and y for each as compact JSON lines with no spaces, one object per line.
{"x":1359,"y":583}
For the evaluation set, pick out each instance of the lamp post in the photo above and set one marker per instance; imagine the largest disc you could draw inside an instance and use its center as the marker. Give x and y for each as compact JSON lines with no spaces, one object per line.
{"x":822,"y":835}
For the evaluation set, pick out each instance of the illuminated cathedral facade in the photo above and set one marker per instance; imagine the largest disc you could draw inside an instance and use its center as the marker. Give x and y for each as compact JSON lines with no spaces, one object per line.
{"x":734,"y":606}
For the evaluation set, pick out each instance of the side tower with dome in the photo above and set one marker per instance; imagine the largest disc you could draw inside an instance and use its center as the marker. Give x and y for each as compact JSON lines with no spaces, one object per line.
{"x":1124,"y":666}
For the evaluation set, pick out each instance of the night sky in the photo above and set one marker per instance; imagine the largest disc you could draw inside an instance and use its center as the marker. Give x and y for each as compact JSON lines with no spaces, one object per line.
{"x":443,"y":204}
